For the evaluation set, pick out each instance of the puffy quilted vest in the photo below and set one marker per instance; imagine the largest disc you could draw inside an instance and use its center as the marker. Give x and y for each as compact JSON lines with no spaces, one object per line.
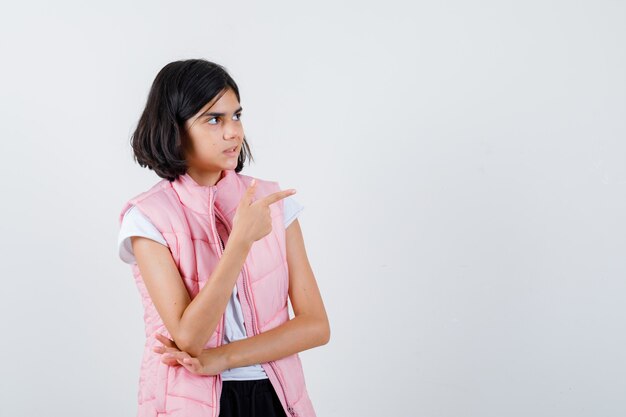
{"x":186,"y":213}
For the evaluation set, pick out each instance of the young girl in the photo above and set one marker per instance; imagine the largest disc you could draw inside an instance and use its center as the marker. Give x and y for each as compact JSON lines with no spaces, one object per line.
{"x":215,"y":254}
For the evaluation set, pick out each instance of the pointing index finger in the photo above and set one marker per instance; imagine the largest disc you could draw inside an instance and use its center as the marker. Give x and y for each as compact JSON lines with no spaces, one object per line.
{"x":272,"y":198}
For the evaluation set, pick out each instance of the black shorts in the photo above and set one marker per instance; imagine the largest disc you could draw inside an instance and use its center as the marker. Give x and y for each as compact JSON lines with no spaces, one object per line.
{"x":252,"y":398}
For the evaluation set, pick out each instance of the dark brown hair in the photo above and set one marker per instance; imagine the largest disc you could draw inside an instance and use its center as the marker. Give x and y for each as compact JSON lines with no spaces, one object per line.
{"x":178,"y":92}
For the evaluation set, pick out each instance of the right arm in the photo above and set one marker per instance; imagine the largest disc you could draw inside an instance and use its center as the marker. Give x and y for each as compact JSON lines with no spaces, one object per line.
{"x":190,"y":322}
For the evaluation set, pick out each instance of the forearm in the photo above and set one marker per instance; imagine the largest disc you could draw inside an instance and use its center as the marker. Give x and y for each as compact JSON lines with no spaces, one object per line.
{"x":202,"y":315}
{"x":293,"y":336}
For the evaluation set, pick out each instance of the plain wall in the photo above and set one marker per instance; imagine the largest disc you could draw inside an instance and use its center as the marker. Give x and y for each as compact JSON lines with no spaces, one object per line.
{"x":462,"y":170}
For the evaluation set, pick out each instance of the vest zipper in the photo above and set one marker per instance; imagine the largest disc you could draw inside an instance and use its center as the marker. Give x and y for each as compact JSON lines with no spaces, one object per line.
{"x":218,"y":377}
{"x":255,"y":330}
{"x":271,"y":363}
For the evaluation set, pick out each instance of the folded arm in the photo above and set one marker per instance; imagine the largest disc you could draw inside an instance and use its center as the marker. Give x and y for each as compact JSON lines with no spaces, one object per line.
{"x":190,"y":322}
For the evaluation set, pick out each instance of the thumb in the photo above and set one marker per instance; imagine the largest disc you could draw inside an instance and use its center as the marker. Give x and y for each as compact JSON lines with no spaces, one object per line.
{"x":247,"y":197}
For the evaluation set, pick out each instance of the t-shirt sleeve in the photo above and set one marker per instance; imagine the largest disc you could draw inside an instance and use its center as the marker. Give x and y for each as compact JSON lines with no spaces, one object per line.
{"x":135,"y":223}
{"x":292,"y":209}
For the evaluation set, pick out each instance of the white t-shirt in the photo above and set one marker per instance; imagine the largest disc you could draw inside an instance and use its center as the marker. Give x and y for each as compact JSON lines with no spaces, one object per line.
{"x":136,"y":224}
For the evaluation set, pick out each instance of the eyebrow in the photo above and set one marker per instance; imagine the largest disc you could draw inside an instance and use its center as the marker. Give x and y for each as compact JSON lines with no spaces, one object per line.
{"x":218,"y":114}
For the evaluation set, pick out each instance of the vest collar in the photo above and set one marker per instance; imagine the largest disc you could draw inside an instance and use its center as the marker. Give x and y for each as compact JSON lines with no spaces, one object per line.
{"x":225,"y":194}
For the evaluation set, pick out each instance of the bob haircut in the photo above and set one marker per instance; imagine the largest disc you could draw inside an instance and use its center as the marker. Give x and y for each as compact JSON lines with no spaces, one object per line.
{"x":178,"y":92}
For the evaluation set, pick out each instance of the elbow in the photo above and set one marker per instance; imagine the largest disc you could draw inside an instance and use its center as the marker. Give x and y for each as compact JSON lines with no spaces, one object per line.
{"x":189,"y":345}
{"x":193,"y":350}
{"x":323,"y":331}
{"x":326,"y":335}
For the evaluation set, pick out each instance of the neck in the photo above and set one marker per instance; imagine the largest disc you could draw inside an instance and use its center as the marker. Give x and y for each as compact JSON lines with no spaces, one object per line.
{"x":206,"y":178}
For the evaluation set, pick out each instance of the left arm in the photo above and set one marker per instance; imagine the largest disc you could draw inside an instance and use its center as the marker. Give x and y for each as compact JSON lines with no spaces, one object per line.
{"x":308,"y":329}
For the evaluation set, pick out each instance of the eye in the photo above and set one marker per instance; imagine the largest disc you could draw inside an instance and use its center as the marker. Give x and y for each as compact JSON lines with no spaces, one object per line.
{"x":238,"y":115}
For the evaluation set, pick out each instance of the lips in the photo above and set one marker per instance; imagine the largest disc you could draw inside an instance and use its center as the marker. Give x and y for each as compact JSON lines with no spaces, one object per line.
{"x":233,"y":149}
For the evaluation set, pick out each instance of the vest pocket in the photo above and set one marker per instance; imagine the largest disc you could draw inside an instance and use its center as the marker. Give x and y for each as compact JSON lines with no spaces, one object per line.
{"x":161,"y":386}
{"x":290,"y":369}
{"x":187,"y":386}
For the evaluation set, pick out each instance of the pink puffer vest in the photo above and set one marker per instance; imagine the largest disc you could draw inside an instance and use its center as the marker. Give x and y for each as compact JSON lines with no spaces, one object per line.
{"x":185,"y":213}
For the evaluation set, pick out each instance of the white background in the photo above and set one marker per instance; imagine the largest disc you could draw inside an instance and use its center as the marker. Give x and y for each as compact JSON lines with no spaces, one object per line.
{"x":461,"y":164}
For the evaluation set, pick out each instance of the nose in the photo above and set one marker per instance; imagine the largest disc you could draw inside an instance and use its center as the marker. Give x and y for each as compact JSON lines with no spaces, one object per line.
{"x":232,"y":130}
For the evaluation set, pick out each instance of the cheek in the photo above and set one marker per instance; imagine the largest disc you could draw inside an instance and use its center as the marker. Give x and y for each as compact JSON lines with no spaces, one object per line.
{"x":208,"y":150}
{"x":205,"y":142}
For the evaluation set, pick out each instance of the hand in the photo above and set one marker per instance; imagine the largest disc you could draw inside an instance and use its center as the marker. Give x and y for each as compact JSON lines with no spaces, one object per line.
{"x":253,"y":220}
{"x":166,"y":350}
{"x":210,"y":362}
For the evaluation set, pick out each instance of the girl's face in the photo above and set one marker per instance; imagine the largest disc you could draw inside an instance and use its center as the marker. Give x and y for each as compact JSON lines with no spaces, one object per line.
{"x":215,"y":129}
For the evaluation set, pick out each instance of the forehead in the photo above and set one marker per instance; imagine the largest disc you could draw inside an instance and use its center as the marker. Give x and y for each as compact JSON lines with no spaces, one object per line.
{"x":223,"y":101}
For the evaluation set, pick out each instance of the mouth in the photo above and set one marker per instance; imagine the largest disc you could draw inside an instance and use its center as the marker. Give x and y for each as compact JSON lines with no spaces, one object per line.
{"x":229,"y":150}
